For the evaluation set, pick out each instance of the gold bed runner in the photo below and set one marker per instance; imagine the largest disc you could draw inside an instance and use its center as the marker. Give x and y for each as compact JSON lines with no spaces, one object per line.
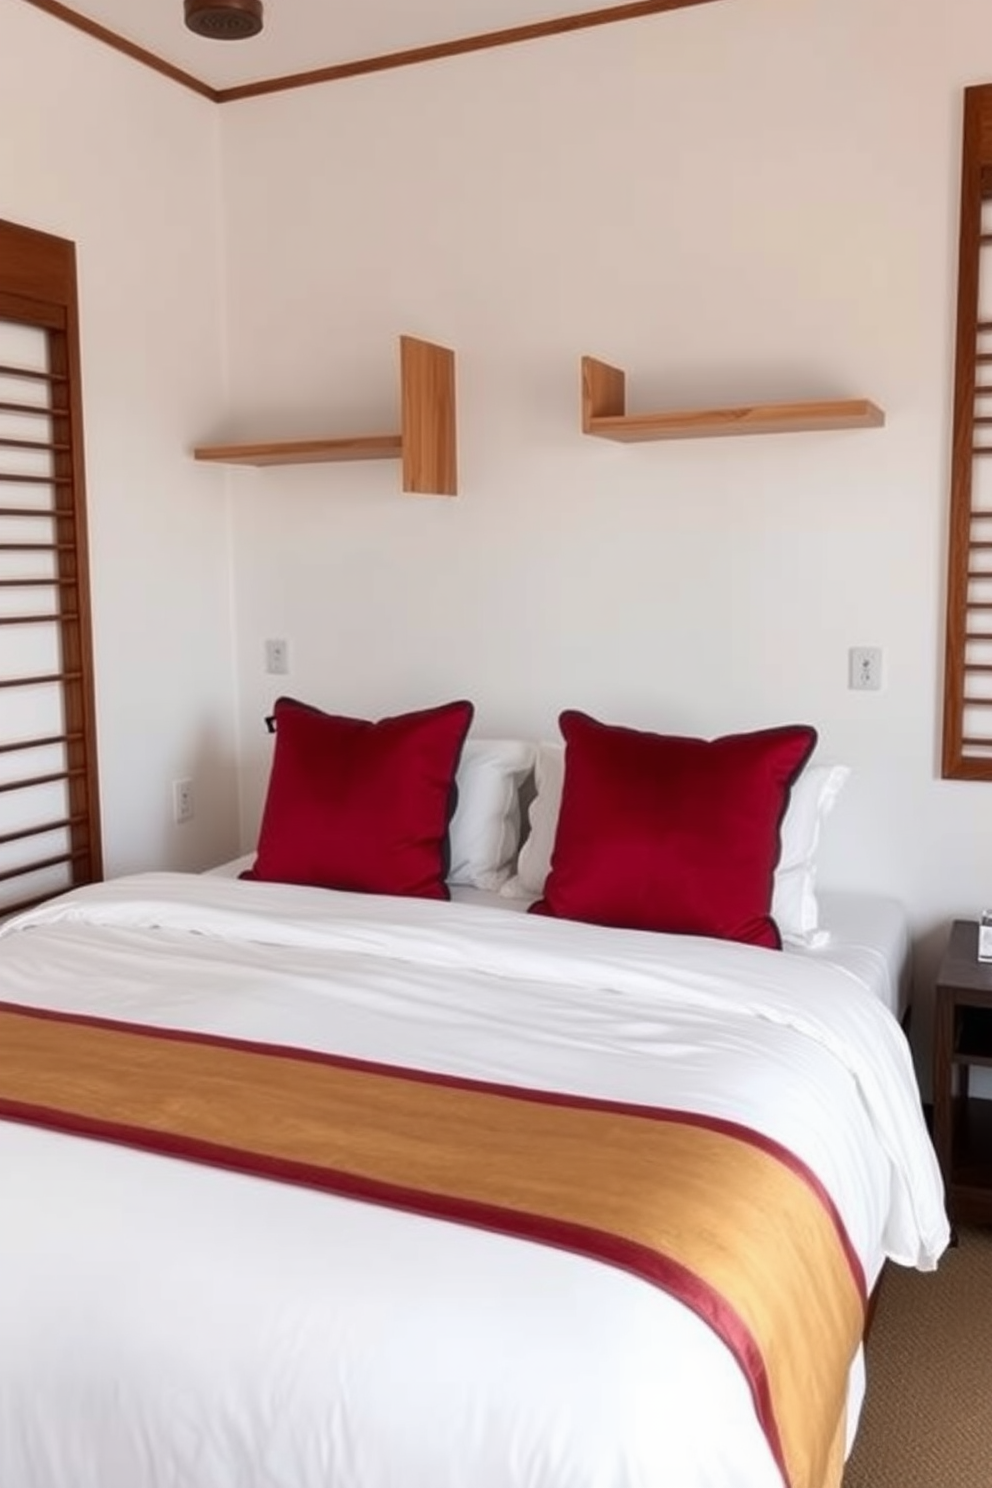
{"x":720,"y":1217}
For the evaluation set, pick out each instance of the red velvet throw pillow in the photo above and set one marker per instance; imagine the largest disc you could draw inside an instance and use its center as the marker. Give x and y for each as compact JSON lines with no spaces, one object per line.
{"x":664,"y":833}
{"x":359,"y":805}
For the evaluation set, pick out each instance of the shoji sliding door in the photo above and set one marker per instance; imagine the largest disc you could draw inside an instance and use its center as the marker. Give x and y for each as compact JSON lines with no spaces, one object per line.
{"x":49,"y":804}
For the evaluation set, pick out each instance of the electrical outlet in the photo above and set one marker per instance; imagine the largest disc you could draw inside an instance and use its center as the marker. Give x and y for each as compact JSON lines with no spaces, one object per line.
{"x":183,"y":809}
{"x":864,"y":668}
{"x":277,"y":657}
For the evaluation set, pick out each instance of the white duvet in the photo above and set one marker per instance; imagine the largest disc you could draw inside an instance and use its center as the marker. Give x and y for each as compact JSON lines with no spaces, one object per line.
{"x":169,"y":1325}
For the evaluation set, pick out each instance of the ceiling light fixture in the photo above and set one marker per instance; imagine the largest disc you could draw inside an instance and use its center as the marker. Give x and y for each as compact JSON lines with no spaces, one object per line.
{"x":224,"y":20}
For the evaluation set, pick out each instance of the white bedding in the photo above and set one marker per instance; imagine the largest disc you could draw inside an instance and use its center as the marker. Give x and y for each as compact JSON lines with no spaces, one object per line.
{"x":867,"y":935}
{"x":167,"y":1325}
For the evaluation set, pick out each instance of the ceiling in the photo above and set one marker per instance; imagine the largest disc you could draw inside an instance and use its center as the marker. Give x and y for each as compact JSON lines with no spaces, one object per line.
{"x":301,"y":36}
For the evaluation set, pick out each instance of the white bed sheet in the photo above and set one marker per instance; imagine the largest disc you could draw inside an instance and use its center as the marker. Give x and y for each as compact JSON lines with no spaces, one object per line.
{"x":164,"y":1325}
{"x":867,"y":936}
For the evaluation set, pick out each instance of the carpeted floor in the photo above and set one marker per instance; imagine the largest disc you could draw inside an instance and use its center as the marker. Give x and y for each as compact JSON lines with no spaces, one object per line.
{"x":927,"y":1418}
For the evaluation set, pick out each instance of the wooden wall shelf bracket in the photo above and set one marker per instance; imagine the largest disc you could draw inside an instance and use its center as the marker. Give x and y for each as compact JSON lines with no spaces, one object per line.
{"x":604,"y":414}
{"x":426,"y":444}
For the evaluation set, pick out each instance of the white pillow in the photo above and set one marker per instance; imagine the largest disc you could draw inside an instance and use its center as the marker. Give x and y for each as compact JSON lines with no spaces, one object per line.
{"x":534,"y":862}
{"x":794,"y":907}
{"x":485,"y":830}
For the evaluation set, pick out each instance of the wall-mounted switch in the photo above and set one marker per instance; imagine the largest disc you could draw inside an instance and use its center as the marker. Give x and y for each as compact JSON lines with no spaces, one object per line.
{"x":864,"y":668}
{"x":183,"y":808}
{"x":277,"y":657}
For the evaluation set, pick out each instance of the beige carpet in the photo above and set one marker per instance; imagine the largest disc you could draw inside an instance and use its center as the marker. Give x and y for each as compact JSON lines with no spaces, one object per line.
{"x":927,"y":1419}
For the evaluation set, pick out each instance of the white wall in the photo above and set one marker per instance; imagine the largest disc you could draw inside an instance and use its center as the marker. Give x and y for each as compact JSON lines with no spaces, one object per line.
{"x":97,"y":149}
{"x":740,"y":201}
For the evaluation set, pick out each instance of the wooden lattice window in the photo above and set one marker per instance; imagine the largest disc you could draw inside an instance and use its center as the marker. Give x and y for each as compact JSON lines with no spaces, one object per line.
{"x":49,"y":803}
{"x":967,"y":751}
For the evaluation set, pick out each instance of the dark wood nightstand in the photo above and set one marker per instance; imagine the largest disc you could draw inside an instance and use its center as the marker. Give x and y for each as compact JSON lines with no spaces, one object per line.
{"x":962,"y":1125}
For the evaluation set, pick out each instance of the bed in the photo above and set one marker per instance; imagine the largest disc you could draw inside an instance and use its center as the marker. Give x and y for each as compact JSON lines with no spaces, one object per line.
{"x":185,"y":1323}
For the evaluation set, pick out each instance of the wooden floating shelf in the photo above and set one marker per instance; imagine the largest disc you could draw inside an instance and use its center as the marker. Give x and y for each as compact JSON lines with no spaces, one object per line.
{"x":604,"y":414}
{"x":426,"y":443}
{"x":306,"y":451}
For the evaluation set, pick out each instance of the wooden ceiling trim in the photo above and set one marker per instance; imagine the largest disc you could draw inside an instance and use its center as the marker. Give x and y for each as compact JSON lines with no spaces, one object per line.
{"x":485,"y":41}
{"x":121,"y":44}
{"x":460,"y":46}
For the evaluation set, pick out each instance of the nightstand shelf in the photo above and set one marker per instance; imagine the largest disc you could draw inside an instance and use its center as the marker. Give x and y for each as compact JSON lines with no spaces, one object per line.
{"x":972,"y":1151}
{"x":962,"y":1124}
{"x":973,"y":1036}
